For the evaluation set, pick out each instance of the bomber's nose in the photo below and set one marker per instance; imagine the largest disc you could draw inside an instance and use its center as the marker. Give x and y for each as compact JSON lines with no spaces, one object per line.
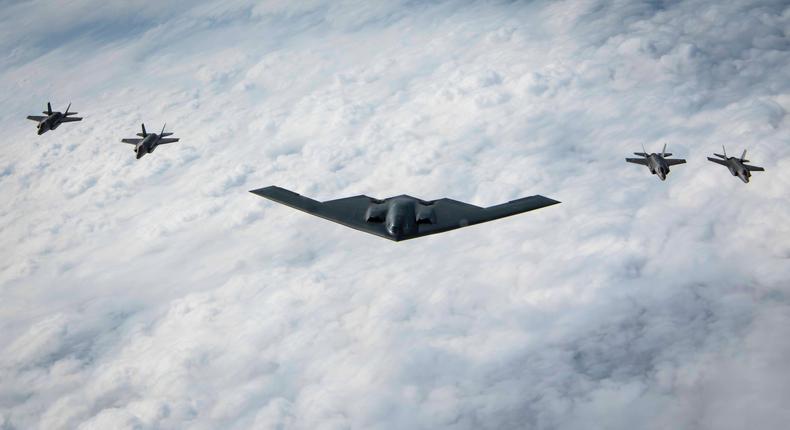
{"x":396,"y":232}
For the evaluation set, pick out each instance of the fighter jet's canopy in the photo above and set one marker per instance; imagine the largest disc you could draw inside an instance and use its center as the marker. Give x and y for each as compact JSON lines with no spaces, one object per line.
{"x":402,"y":217}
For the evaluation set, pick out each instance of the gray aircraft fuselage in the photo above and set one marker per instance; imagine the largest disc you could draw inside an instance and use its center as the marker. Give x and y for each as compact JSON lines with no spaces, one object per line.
{"x":737,"y":169}
{"x":657,"y":163}
{"x":52,"y":119}
{"x":402,"y":215}
{"x":146,"y":142}
{"x":51,"y":122}
{"x":147,"y":145}
{"x":658,"y":166}
{"x":736,"y":165}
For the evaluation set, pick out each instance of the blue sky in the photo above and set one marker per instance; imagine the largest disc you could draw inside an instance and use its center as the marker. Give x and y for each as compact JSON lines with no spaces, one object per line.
{"x":159,"y":293}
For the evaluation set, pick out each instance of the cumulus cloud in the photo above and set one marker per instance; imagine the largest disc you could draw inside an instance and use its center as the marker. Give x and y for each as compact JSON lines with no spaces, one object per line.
{"x":158,"y":293}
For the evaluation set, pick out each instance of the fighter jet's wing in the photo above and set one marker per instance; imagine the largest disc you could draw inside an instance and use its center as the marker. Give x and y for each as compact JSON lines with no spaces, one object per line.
{"x":450,"y":214}
{"x":642,"y":161}
{"x":36,"y":118}
{"x":718,"y":161}
{"x":70,"y":119}
{"x":350,"y":211}
{"x":132,"y":141}
{"x":753,"y":168}
{"x":674,"y":161}
{"x":166,"y":141}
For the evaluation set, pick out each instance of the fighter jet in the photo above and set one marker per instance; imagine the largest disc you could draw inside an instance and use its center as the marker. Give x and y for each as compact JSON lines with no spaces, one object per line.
{"x":149,"y":141}
{"x":53,"y":119}
{"x":736,"y":166}
{"x":402,"y":217}
{"x":657,"y":163}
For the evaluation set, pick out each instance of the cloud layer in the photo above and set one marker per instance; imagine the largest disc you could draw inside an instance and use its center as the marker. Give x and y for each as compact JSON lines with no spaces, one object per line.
{"x":160,"y":294}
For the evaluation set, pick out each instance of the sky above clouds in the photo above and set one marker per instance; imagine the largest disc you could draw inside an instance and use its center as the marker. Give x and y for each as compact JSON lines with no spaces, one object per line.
{"x":159,"y":293}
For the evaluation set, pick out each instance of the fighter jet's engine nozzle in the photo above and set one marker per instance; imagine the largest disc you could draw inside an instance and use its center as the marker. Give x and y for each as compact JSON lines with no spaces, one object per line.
{"x":425,"y":215}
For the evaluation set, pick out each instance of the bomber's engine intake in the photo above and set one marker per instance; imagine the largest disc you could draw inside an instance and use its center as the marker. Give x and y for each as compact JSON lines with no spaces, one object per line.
{"x":425,"y":215}
{"x":375,"y":213}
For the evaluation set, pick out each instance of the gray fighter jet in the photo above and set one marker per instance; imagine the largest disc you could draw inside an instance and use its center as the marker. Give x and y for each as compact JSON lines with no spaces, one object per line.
{"x":149,"y":141}
{"x":402,"y":217}
{"x":53,"y":119}
{"x":657,"y":163}
{"x":736,"y":166}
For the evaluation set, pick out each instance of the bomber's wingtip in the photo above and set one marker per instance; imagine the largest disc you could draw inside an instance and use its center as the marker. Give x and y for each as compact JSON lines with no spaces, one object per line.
{"x":259,"y":191}
{"x":267,"y":191}
{"x":550,"y":201}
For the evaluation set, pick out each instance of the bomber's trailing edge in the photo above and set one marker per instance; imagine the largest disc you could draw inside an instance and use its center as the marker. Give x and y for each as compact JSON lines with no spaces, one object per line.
{"x":736,"y":165}
{"x":657,"y":163}
{"x":52,"y":119}
{"x":148,"y":142}
{"x":402,"y":217}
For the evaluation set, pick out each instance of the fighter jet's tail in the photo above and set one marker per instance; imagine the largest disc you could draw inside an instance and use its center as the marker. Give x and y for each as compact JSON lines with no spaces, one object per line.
{"x":49,"y":109}
{"x":722,"y":156}
{"x":748,"y":167}
{"x":67,"y":113}
{"x":643,"y":153}
{"x":162,"y":133}
{"x":144,"y":133}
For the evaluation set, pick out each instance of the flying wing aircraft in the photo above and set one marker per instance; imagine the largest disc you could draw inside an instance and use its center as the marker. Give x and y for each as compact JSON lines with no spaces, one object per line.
{"x":402,"y":217}
{"x":657,"y":163}
{"x":147,"y":142}
{"x":53,"y":120}
{"x":736,"y":165}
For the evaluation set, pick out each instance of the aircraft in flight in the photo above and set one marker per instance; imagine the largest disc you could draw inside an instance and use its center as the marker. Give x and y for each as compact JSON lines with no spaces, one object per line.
{"x":53,"y":119}
{"x":657,"y":163}
{"x":736,"y":165}
{"x":402,"y":217}
{"x":149,"y":141}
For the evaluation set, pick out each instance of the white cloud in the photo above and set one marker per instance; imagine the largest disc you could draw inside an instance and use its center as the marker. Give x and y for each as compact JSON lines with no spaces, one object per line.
{"x":160,"y":294}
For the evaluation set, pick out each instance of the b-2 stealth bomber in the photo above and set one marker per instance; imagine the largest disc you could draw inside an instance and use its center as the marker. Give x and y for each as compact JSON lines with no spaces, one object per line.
{"x":736,"y":165}
{"x":149,"y":141}
{"x":657,"y":163}
{"x":53,"y":119}
{"x":402,"y":217}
